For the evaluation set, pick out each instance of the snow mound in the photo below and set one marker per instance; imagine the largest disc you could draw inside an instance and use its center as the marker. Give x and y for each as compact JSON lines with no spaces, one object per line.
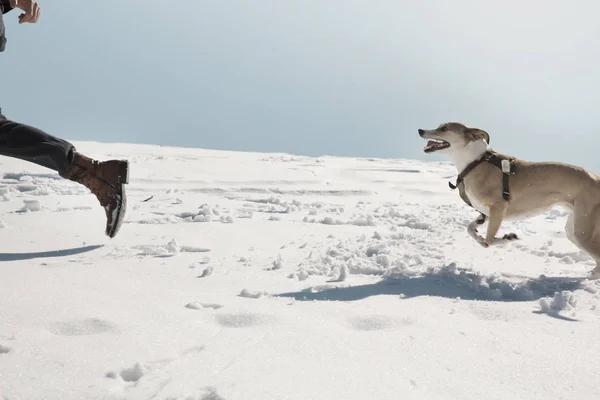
{"x":201,"y":306}
{"x":492,"y":287}
{"x":31,"y":206}
{"x":564,"y":300}
{"x":371,"y":257}
{"x":171,"y":249}
{"x":361,"y":220}
{"x":252,"y":294}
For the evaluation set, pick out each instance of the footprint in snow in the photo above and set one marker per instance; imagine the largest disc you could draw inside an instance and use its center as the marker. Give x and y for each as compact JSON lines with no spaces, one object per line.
{"x":81,"y":327}
{"x":375,"y":323}
{"x":211,"y":394}
{"x":207,"y":272}
{"x":4,"y":349}
{"x":242,"y":320}
{"x":82,"y":208}
{"x":132,"y":374}
{"x":193,"y":350}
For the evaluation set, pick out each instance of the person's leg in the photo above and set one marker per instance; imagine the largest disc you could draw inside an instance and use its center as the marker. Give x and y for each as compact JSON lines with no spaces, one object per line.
{"x":33,"y":145}
{"x":105,"y":179}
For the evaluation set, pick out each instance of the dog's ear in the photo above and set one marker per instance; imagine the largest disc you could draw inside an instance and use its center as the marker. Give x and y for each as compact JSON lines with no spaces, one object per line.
{"x":478,"y":134}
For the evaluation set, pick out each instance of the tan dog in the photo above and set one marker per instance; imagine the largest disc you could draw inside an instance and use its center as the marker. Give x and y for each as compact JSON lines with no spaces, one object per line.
{"x":501,"y":187}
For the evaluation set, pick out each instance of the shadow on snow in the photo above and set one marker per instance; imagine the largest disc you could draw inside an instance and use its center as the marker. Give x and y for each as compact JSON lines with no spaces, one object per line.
{"x":446,"y":282}
{"x":45,"y":254}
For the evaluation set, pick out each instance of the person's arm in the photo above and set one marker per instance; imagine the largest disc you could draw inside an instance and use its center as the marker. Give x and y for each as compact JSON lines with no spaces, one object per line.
{"x":31,"y":10}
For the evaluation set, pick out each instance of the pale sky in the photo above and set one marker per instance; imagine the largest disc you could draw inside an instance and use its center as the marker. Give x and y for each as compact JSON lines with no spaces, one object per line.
{"x":344,"y":77}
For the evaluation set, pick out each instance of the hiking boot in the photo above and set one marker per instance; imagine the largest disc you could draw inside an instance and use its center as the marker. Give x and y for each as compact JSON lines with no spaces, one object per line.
{"x":106,"y":180}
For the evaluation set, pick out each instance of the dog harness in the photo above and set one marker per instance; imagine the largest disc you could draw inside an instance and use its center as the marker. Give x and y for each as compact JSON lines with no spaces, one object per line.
{"x":506,"y":164}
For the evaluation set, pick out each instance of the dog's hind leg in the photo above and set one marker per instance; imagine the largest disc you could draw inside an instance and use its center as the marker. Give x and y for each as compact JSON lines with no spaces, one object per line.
{"x":583,"y":230}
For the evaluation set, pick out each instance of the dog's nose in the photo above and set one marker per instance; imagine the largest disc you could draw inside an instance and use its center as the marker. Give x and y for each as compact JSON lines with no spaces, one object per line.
{"x":421,"y":132}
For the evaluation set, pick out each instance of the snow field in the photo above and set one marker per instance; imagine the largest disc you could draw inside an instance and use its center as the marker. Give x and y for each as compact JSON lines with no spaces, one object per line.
{"x":270,"y":276}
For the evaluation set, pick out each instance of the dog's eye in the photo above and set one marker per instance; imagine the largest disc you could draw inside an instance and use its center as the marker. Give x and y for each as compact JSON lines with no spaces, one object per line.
{"x":444,"y":128}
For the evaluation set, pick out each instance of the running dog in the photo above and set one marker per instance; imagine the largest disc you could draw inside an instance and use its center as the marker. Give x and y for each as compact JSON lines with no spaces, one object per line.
{"x":501,"y":187}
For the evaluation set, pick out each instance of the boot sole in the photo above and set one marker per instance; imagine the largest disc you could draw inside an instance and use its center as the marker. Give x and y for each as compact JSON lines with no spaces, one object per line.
{"x":120,"y":214}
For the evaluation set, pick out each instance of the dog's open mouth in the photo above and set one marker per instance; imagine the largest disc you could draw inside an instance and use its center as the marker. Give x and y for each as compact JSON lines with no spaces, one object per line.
{"x":435,"y":145}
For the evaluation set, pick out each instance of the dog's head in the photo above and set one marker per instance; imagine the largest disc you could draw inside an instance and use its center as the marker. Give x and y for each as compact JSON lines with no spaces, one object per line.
{"x":451,"y":137}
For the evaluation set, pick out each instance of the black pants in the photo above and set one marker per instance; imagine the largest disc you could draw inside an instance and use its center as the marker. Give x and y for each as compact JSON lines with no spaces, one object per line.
{"x":33,"y":145}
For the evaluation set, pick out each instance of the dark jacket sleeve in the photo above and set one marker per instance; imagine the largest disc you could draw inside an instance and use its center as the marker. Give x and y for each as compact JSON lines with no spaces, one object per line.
{"x":5,"y":6}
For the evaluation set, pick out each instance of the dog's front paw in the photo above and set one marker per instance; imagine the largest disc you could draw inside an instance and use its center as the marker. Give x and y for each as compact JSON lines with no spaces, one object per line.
{"x":510,"y":236}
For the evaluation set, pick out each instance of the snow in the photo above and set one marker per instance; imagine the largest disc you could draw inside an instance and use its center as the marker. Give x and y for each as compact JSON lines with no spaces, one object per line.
{"x":564,"y":300}
{"x":271,"y":276}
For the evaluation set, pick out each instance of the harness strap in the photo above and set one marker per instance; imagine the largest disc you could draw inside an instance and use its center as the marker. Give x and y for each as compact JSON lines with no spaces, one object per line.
{"x":506,"y":165}
{"x":505,"y":191}
{"x":464,"y":172}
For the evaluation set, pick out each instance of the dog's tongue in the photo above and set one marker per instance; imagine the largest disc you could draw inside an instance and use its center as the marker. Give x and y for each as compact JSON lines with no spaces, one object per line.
{"x":431,"y":143}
